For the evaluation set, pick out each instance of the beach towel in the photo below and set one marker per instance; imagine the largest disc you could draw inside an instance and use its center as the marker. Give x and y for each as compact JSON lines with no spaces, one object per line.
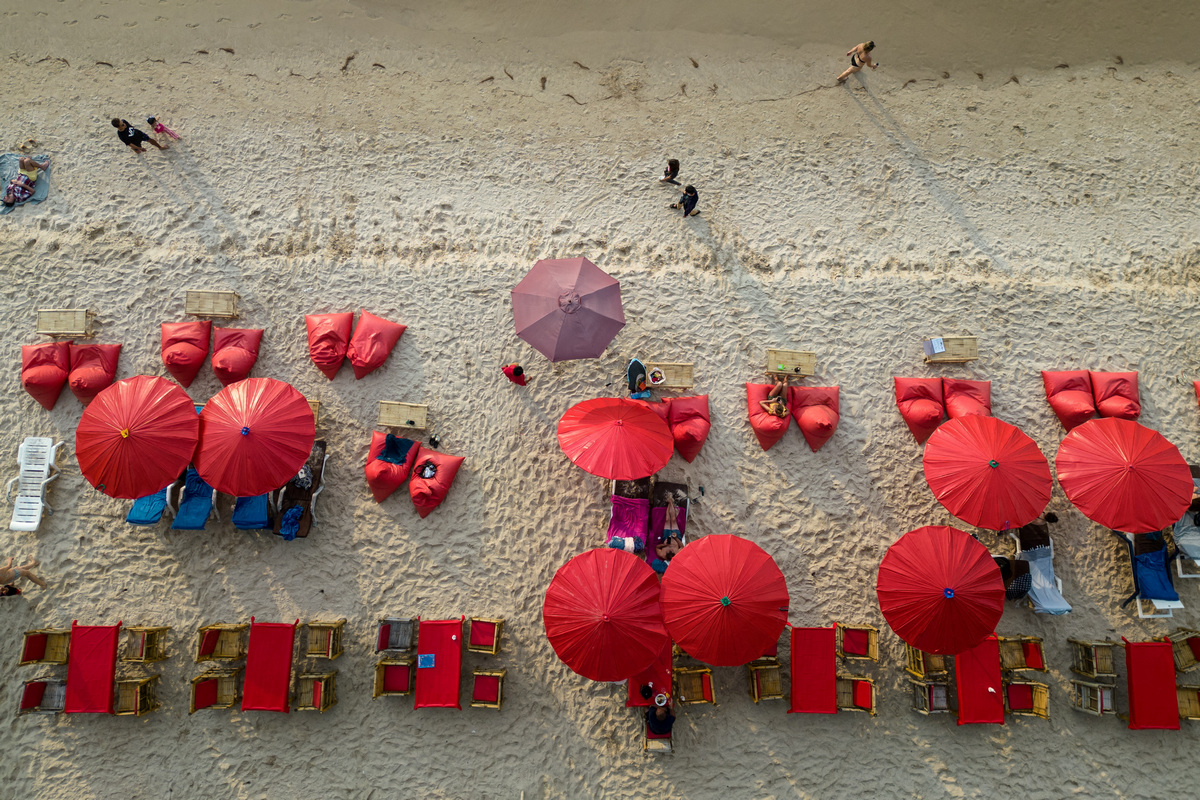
{"x":1187,"y":532}
{"x":148,"y":510}
{"x":1043,"y":590}
{"x":9,"y":162}
{"x":252,"y":513}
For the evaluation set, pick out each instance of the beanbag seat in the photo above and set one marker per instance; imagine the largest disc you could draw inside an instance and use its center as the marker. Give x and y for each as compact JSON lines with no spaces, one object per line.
{"x":920,"y":404}
{"x":1070,"y":395}
{"x":184,"y":348}
{"x":234,"y":352}
{"x":966,"y":398}
{"x":389,"y":462}
{"x":1116,"y":394}
{"x":372,"y":343}
{"x":815,"y":409}
{"x":689,"y":424}
{"x":428,"y":493}
{"x":93,"y":369}
{"x":768,"y":428}
{"x":663,"y":408}
{"x":328,"y":336}
{"x":44,"y":370}
{"x":1196,"y":385}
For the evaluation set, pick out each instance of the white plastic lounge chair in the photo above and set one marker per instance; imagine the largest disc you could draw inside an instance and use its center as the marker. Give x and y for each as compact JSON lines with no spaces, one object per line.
{"x":1150,"y":557}
{"x":1187,"y":540}
{"x":36,"y":457}
{"x":1045,"y":591}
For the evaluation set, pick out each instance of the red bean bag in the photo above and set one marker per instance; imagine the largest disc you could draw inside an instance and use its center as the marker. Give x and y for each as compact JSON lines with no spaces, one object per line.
{"x":328,"y":335}
{"x":234,"y":352}
{"x":1196,"y":384}
{"x":815,"y":409}
{"x":920,"y":403}
{"x":93,"y":369}
{"x":689,"y":423}
{"x":1116,"y":394}
{"x":428,"y":493}
{"x":1070,"y":395}
{"x":663,"y":409}
{"x":966,"y":398}
{"x":768,"y":428}
{"x":184,"y":347}
{"x":372,"y":343}
{"x":388,"y":463}
{"x":44,"y":370}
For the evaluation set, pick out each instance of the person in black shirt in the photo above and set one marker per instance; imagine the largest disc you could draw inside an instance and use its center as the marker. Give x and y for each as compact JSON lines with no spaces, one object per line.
{"x":660,"y":720}
{"x":133,"y":137}
{"x":671,"y":172}
{"x":688,"y":201}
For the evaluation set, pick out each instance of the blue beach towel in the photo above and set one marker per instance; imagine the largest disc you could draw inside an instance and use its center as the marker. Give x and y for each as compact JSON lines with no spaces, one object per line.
{"x":196,"y":505}
{"x":8,"y":170}
{"x":148,"y":510}
{"x":251,"y":513}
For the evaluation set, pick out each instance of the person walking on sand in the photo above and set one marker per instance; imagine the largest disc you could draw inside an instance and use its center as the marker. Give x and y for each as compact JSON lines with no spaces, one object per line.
{"x":133,"y":137}
{"x":671,"y":172}
{"x":9,"y":574}
{"x":158,"y":127}
{"x":688,"y":201}
{"x":860,"y":56}
{"x":515,"y":373}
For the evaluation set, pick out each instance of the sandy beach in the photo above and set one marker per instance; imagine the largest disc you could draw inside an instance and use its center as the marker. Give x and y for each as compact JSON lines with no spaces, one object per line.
{"x":1024,"y":174}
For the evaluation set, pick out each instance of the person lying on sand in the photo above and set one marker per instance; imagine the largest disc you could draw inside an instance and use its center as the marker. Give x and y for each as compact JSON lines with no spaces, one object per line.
{"x":688,"y":201}
{"x":776,"y":402}
{"x":20,"y":188}
{"x":9,"y":573}
{"x":133,"y":137}
{"x":860,"y":56}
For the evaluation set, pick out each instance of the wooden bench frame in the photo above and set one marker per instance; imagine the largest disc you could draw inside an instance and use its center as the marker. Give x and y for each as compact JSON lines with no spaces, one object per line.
{"x":689,"y":685}
{"x":845,"y":694}
{"x":220,"y":303}
{"x":395,"y":414}
{"x":773,"y":675}
{"x":492,"y":673}
{"x":380,"y":670}
{"x":72,"y":323}
{"x":145,"y":645}
{"x":135,"y":696}
{"x":324,"y":638}
{"x":227,"y":688}
{"x":58,"y":645}
{"x":922,"y":665}
{"x":223,"y":652}
{"x":1093,"y":659}
{"x":872,"y":642}
{"x":304,"y":691}
{"x":923,"y":695}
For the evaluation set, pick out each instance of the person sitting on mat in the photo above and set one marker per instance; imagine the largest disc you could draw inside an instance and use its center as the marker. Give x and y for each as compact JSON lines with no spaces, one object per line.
{"x":672,"y":541}
{"x":776,"y":402}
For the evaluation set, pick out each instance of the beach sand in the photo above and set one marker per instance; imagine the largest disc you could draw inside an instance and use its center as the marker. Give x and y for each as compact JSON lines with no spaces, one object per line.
{"x":970,"y":185}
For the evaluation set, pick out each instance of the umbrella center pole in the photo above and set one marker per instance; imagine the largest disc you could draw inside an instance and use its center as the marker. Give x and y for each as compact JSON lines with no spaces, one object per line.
{"x":948,"y":592}
{"x":993,"y":463}
{"x":725,"y":601}
{"x":569,"y":302}
{"x":245,"y":431}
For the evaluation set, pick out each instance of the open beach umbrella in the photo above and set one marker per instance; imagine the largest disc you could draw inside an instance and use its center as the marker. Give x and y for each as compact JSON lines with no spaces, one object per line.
{"x":568,"y":308}
{"x":940,"y":590}
{"x":724,"y":600}
{"x":987,"y":472}
{"x":1123,"y":475}
{"x":136,"y":436}
{"x":602,"y":615}
{"x":615,"y":438}
{"x":254,"y":436}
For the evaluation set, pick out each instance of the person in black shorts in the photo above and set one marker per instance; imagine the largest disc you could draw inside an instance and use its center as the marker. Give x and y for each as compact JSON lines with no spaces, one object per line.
{"x":133,"y":137}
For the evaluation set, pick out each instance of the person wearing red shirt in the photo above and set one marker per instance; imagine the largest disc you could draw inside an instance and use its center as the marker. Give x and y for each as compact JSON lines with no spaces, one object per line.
{"x":514,"y":373}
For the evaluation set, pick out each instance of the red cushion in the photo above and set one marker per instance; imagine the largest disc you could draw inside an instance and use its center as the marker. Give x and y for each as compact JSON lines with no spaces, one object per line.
{"x":385,"y":633}
{"x":33,"y":694}
{"x":663,"y":408}
{"x":487,"y":689}
{"x":385,"y":477}
{"x":483,"y":634}
{"x":44,"y":370}
{"x":205,"y":693}
{"x":35,"y":647}
{"x":1070,"y":395}
{"x":856,"y":642}
{"x":372,"y":342}
{"x":689,"y":423}
{"x":815,"y":409}
{"x":318,"y":687}
{"x":1196,"y":385}
{"x":208,"y":644}
{"x":234,"y":352}
{"x":965,"y":398}
{"x":93,"y":369}
{"x":184,"y":348}
{"x":652,"y":735}
{"x":1020,"y":697}
{"x":1194,"y":644}
{"x":1033,"y":655}
{"x":397,"y":677}
{"x":428,"y":493}
{"x":920,"y":404}
{"x":862,"y":694}
{"x":328,"y":336}
{"x":706,"y":690}
{"x":768,"y":428}
{"x":1116,"y":394}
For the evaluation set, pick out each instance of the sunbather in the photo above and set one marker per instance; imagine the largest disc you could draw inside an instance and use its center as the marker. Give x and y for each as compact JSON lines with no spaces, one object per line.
{"x":9,"y":574}
{"x":776,"y":402}
{"x":672,"y":541}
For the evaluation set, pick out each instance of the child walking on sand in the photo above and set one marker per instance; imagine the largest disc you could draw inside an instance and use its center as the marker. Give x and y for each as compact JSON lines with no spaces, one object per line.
{"x":158,"y":127}
{"x":9,"y":575}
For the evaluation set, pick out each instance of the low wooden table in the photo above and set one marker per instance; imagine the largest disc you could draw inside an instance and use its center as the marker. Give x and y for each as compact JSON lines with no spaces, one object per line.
{"x":212,"y":304}
{"x":959,"y":350}
{"x":678,"y":376}
{"x":394,"y":414}
{"x":791,"y":362}
{"x":67,"y":322}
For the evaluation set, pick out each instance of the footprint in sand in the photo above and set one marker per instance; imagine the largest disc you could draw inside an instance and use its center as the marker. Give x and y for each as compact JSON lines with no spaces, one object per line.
{"x":314,"y":19}
{"x":130,"y":24}
{"x":223,"y":19}
{"x":71,"y":22}
{"x":192,"y":25}
{"x":101,"y":16}
{"x":253,"y":25}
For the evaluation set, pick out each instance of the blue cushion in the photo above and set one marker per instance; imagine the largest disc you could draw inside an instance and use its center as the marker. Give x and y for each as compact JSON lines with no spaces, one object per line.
{"x":196,"y":504}
{"x":1153,"y":580}
{"x":251,"y":513}
{"x":148,"y":510}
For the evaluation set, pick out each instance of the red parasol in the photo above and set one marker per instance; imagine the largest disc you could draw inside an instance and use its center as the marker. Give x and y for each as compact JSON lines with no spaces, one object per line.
{"x":254,"y":436}
{"x":602,"y":615}
{"x":987,"y":472}
{"x":136,"y":436}
{"x":724,"y":600}
{"x":1124,"y":475}
{"x":940,"y":590}
{"x":568,"y":308}
{"x":615,"y":438}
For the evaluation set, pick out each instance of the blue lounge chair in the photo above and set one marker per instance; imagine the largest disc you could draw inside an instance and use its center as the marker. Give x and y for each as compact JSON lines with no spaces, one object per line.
{"x":148,"y":510}
{"x":1151,"y":558}
{"x":252,"y":513}
{"x":195,"y":505}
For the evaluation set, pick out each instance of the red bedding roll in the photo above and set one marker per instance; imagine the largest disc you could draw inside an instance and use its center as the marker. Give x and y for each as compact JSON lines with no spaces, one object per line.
{"x":93,"y":369}
{"x":815,"y":409}
{"x":385,"y":477}
{"x":1116,"y":394}
{"x":1070,"y":395}
{"x":966,"y":398}
{"x":690,"y":424}
{"x":328,"y":335}
{"x":428,"y":493}
{"x":184,"y":347}
{"x":372,"y":343}
{"x":920,"y":404}
{"x":234,"y":352}
{"x":768,"y":428}
{"x":44,"y":370}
